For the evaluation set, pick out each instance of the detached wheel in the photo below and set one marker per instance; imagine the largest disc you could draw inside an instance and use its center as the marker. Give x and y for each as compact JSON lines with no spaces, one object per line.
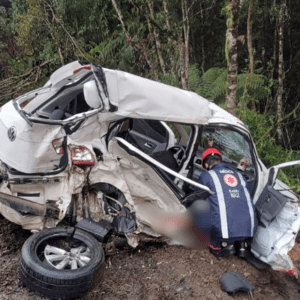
{"x":61,"y":263}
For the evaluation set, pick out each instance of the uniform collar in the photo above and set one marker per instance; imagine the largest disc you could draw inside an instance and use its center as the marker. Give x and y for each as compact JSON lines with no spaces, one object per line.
{"x":219,"y":165}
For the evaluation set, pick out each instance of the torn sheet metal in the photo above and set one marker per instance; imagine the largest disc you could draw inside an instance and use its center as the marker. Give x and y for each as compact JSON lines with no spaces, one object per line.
{"x":144,"y":184}
{"x":108,"y":171}
{"x":95,"y":206}
{"x":90,"y":134}
{"x":138,"y":182}
{"x":114,"y":204}
{"x":138,"y":97}
{"x":135,"y":239}
{"x":271,"y":244}
{"x":26,"y":221}
{"x":60,"y":193}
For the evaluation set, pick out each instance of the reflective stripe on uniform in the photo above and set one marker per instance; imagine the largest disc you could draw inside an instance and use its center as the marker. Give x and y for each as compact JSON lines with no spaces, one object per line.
{"x":251,"y":211}
{"x":222,"y":205}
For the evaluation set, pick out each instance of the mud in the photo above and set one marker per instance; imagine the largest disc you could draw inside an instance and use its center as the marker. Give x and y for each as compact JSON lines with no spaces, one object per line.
{"x":154,"y":271}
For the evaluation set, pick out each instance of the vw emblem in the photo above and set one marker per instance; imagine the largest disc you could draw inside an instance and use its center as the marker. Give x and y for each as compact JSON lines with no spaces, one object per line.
{"x":12,"y":133}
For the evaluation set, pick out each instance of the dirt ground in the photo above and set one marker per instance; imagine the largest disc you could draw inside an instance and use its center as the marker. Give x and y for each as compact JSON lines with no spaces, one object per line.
{"x":153,"y":272}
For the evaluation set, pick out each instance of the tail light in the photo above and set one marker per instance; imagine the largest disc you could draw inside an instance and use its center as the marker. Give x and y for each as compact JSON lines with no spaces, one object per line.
{"x":58,"y":145}
{"x":81,"y":155}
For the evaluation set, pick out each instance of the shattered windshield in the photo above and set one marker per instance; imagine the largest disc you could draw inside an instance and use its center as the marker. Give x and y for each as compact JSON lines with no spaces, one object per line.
{"x":231,"y":144}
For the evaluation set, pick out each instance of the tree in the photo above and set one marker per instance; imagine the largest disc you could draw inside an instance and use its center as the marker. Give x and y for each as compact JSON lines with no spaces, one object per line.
{"x":250,"y":44}
{"x":282,"y":11}
{"x":156,"y":38}
{"x":233,"y":11}
{"x":168,"y":36}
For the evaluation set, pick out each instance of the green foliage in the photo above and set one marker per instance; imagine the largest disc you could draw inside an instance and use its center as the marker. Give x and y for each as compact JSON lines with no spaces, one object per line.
{"x":212,"y":85}
{"x":194,"y":77}
{"x":254,"y":83}
{"x":5,"y":28}
{"x":32,"y":26}
{"x":270,"y":152}
{"x":115,"y":52}
{"x":169,"y":79}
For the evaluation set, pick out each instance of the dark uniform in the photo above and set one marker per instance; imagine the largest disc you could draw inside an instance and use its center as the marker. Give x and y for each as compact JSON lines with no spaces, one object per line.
{"x":232,"y":213}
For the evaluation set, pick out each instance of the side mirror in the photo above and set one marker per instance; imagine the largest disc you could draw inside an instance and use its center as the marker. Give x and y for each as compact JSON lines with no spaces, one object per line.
{"x":91,"y":94}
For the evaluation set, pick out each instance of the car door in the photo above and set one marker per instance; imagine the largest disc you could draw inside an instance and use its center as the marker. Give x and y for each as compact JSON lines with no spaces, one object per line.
{"x":275,"y":193}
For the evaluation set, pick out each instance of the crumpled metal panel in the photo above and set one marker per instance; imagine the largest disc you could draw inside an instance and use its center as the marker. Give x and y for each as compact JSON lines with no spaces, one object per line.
{"x":31,"y":151}
{"x":26,"y":221}
{"x":272,"y":243}
{"x":143,"y":184}
{"x":71,"y":181}
{"x":138,"y":182}
{"x":138,"y":97}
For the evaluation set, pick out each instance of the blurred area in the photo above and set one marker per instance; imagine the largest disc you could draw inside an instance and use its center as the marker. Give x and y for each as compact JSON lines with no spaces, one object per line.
{"x":184,"y":228}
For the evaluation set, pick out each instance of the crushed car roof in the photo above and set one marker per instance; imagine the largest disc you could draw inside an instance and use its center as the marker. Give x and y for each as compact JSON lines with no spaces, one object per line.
{"x":138,"y":97}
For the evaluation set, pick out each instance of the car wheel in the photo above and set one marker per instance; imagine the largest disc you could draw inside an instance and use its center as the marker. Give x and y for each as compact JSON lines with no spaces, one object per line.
{"x":61,"y":263}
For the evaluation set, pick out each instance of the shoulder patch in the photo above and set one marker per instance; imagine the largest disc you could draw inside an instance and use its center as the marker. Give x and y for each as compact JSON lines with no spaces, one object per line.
{"x":230,"y":180}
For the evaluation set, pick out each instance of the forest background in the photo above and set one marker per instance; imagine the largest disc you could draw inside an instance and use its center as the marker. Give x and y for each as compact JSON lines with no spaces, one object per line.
{"x":242,"y":54}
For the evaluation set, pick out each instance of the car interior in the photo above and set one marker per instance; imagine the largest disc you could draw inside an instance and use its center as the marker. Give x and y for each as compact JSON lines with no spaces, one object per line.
{"x":59,"y":103}
{"x":184,"y":155}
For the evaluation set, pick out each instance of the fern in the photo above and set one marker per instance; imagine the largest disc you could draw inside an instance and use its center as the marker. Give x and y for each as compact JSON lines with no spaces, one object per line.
{"x":114,"y":52}
{"x":194,"y":77}
{"x":213,"y":82}
{"x":169,"y":79}
{"x":218,"y":86}
{"x":254,"y":85}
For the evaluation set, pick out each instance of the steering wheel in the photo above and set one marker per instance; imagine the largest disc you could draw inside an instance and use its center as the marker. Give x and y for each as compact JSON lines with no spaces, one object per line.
{"x":178,"y":152}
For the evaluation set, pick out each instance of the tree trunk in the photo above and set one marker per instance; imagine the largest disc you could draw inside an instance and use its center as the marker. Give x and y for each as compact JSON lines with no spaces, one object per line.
{"x":170,"y":41}
{"x":249,"y":37}
{"x":157,"y":41}
{"x":186,"y":31}
{"x":280,"y":72}
{"x":121,"y":19}
{"x":233,"y":12}
{"x":137,"y":47}
{"x":250,"y":45}
{"x":202,"y":40}
{"x":61,"y":56}
{"x":182,"y":64}
{"x":289,"y":35}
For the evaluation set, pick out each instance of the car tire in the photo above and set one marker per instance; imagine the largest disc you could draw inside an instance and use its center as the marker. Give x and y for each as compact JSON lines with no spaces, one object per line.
{"x":75,"y":272}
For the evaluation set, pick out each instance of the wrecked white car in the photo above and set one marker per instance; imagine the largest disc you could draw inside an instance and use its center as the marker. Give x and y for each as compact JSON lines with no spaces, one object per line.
{"x":92,"y":143}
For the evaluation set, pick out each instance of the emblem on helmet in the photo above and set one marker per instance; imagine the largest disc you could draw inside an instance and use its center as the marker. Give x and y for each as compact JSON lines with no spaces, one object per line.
{"x":12,"y":133}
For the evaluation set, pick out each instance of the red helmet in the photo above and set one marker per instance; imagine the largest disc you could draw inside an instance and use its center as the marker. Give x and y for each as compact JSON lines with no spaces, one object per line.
{"x":210,"y":151}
